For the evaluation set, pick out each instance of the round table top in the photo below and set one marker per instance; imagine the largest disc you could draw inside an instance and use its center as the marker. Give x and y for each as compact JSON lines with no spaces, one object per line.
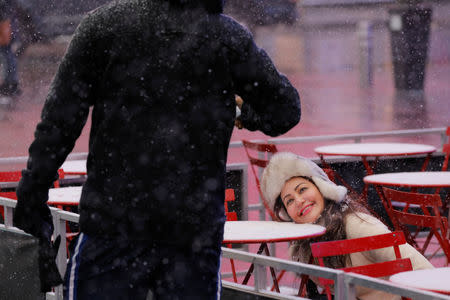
{"x":436,"y":280}
{"x":74,"y":166}
{"x":65,"y":195}
{"x":375,"y":149}
{"x":240,"y":232}
{"x":411,"y":179}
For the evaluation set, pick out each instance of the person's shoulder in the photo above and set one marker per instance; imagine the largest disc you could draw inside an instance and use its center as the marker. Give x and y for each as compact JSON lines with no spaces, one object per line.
{"x":117,"y":9}
{"x":361,"y":224}
{"x":361,"y":218}
{"x":228,"y":26}
{"x":228,"y":31}
{"x":111,"y":15}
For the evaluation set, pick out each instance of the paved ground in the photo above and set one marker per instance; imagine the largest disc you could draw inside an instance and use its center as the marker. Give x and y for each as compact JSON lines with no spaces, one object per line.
{"x":332,"y":100}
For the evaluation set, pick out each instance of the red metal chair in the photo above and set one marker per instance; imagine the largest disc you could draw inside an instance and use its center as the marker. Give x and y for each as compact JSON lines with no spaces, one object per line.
{"x":344,"y":247}
{"x":446,"y":151}
{"x":9,"y":176}
{"x":229,"y":197}
{"x":259,"y":155}
{"x":429,"y":217}
{"x":15,"y":176}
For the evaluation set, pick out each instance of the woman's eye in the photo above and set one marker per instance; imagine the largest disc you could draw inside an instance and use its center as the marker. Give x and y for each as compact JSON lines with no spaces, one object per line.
{"x":301,"y":190}
{"x":289,"y":201}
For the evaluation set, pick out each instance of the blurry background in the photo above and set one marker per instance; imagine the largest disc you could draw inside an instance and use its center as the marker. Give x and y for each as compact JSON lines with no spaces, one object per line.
{"x":336,"y":52}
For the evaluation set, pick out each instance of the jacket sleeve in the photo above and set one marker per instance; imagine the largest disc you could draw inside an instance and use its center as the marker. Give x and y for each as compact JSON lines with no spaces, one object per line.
{"x":66,"y":107}
{"x":271,"y":103}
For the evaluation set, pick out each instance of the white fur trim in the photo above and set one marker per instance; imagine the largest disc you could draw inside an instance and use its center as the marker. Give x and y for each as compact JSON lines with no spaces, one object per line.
{"x":285,"y":165}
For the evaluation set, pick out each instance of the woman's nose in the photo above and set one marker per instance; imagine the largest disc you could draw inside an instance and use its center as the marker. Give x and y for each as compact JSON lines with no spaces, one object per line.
{"x":299,"y":200}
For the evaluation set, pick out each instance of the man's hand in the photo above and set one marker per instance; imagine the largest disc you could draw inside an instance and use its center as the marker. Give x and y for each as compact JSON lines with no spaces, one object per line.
{"x":239,"y":102}
{"x":48,"y":270}
{"x":33,"y":216}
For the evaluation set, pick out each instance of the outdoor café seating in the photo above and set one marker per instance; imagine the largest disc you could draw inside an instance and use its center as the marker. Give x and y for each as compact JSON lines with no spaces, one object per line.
{"x":259,"y":154}
{"x":422,"y":213}
{"x":321,"y":250}
{"x":12,"y":179}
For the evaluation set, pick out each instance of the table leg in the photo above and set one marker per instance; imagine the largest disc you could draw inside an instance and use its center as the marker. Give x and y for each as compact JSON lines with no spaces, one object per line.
{"x":369,"y":171}
{"x":425,"y":163}
{"x":262,"y":247}
{"x":233,"y":269}
{"x":387,"y":205}
{"x":272,"y":271}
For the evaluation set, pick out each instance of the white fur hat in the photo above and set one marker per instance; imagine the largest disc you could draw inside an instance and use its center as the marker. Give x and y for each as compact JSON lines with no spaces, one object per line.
{"x":285,"y":165}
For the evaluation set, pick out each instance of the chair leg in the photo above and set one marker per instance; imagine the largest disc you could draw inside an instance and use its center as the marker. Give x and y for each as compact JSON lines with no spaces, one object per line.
{"x":303,"y":282}
{"x":233,"y":269}
{"x":278,"y":279}
{"x":427,"y":242}
{"x":445,"y":244}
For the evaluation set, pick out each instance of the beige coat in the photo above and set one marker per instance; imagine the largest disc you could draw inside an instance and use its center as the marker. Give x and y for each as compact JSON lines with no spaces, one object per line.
{"x":362,"y":225}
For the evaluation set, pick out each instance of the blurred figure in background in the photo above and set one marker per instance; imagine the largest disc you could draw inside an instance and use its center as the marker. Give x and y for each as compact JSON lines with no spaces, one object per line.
{"x":10,"y":81}
{"x":18,"y":29}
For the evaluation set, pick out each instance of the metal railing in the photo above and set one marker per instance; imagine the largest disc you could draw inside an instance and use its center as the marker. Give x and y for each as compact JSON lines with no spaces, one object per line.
{"x":352,"y":137}
{"x":359,"y":137}
{"x":345,"y":283}
{"x":60,"y":217}
{"x":344,"y":288}
{"x":355,"y":137}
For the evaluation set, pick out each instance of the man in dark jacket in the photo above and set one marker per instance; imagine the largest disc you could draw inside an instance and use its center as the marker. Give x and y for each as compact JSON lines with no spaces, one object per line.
{"x":161,"y":77}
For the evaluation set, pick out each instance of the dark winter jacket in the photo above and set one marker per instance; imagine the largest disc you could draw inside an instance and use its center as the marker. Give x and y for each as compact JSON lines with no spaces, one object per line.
{"x":5,"y":10}
{"x":161,"y":80}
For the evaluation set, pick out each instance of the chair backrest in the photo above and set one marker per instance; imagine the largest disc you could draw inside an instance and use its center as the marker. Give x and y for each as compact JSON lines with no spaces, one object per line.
{"x":229,"y":197}
{"x":15,"y":176}
{"x":430,"y":217}
{"x":259,"y":154}
{"x":344,"y":247}
{"x":429,"y":204}
{"x":10,"y":176}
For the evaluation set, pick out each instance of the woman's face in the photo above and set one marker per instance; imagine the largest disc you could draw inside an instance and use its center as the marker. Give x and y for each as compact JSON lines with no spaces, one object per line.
{"x":303,"y":201}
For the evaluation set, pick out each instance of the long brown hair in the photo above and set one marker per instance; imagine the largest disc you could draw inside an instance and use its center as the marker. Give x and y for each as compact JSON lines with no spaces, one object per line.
{"x":332,"y":218}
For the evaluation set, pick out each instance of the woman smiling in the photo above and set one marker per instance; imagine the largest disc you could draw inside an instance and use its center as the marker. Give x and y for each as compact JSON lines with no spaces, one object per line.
{"x":299,"y":191}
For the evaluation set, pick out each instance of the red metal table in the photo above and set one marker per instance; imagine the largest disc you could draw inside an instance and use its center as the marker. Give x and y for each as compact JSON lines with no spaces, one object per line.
{"x":263,"y":232}
{"x":376,"y":150}
{"x":434,"y":280}
{"x":74,"y":167}
{"x":413,"y":180}
{"x":64,"y":196}
{"x":429,"y":179}
{"x":235,"y":232}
